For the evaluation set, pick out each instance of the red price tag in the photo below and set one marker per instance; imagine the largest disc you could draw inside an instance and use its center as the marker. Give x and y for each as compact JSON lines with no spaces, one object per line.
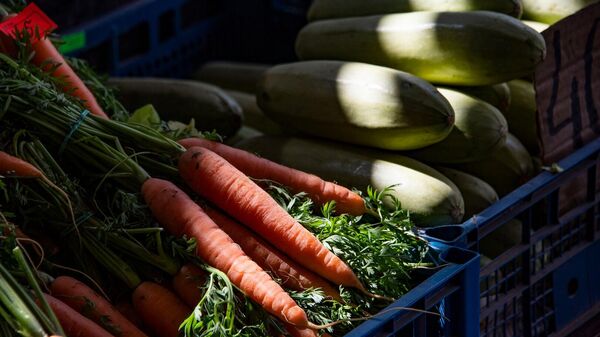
{"x":31,"y":18}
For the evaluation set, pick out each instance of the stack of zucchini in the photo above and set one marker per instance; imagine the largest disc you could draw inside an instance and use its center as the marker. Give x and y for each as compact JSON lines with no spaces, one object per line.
{"x":431,"y":97}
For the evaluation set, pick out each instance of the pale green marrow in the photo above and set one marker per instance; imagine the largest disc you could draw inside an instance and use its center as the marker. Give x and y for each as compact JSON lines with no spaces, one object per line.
{"x":497,"y":95}
{"x":238,"y":76}
{"x":537,"y":26}
{"x":551,"y":11}
{"x":356,"y":103}
{"x":182,"y":100}
{"x":505,"y":169}
{"x":521,"y":114}
{"x":254,"y":117}
{"x":479,"y":130}
{"x":477,"y":194}
{"x":330,"y":9}
{"x":453,"y":48}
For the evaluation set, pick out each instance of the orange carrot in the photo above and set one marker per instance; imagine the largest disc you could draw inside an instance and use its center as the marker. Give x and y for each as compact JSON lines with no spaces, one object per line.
{"x":161,"y":310}
{"x":90,"y":304}
{"x":292,"y":275}
{"x":218,"y":181}
{"x":13,"y":166}
{"x":49,"y":58}
{"x":181,"y":215}
{"x":126,"y":309}
{"x":188,"y":282}
{"x":73,"y":323}
{"x":318,"y":189}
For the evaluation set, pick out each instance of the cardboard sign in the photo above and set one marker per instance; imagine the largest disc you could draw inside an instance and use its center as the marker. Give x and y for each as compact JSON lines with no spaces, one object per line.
{"x":568,"y":85}
{"x":30,"y":18}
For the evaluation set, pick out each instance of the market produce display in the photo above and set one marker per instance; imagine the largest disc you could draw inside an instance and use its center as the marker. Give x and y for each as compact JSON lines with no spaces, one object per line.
{"x":102,"y":190}
{"x":261,"y":200}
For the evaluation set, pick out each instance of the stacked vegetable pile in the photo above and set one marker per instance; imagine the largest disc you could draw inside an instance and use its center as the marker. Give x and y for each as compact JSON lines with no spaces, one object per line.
{"x":186,"y":235}
{"x":432,"y":97}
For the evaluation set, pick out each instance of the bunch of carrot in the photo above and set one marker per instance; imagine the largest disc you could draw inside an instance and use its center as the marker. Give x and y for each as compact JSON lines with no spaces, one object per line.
{"x":245,"y":236}
{"x":15,"y":167}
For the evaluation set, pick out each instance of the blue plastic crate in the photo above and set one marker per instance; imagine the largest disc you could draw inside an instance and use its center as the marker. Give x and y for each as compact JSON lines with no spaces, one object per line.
{"x":544,"y":283}
{"x":450,"y":290}
{"x":172,"y":38}
{"x":153,"y":37}
{"x":297,"y":8}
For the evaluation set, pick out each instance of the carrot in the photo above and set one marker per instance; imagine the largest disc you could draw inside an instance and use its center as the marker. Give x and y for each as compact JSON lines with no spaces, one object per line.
{"x":188,"y":282}
{"x":181,"y":215}
{"x":218,"y":181}
{"x":73,"y":323}
{"x":126,"y":309}
{"x":49,"y":58}
{"x":90,"y":304}
{"x":292,"y":275}
{"x":318,"y":189}
{"x":13,"y":166}
{"x":161,"y":310}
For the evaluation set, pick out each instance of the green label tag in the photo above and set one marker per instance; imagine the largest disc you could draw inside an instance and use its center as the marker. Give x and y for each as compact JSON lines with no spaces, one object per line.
{"x":72,"y":42}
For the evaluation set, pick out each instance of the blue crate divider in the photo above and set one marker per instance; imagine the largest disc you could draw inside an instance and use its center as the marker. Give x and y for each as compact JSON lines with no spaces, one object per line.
{"x":172,"y":38}
{"x":451,"y":290}
{"x":539,"y":286}
{"x":154,"y":37}
{"x":594,"y":273}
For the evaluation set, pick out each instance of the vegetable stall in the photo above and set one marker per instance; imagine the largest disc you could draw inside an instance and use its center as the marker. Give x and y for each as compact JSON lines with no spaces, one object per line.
{"x":298,"y":197}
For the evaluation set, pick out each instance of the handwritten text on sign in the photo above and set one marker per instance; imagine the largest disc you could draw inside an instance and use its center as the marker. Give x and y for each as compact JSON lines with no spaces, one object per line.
{"x":568,"y":85}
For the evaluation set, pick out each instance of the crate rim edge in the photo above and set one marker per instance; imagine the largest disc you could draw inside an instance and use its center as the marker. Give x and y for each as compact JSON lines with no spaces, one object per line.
{"x":507,"y":203}
{"x":429,"y":285}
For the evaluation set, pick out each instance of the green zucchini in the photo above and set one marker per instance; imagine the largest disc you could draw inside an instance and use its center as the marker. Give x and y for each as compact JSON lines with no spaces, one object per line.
{"x":551,"y":11}
{"x":454,"y":48}
{"x":479,"y":130}
{"x":231,"y":75}
{"x":330,"y":9}
{"x":254,"y":117}
{"x":356,"y":103}
{"x":497,"y":95}
{"x":521,"y":114}
{"x":538,"y":26}
{"x":182,"y":100}
{"x":505,"y":169}
{"x":477,"y":194}
{"x":501,"y":239}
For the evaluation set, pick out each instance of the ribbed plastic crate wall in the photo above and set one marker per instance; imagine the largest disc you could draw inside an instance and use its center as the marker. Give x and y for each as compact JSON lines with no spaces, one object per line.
{"x":450,"y":290}
{"x":172,"y":38}
{"x":70,"y":13}
{"x":154,"y":37}
{"x":546,"y":282}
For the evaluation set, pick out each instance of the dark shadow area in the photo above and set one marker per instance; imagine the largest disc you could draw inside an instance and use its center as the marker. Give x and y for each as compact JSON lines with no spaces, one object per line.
{"x":71,"y":13}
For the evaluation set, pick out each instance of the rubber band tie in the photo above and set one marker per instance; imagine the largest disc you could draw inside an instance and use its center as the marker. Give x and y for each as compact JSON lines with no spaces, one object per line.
{"x":72,"y":130}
